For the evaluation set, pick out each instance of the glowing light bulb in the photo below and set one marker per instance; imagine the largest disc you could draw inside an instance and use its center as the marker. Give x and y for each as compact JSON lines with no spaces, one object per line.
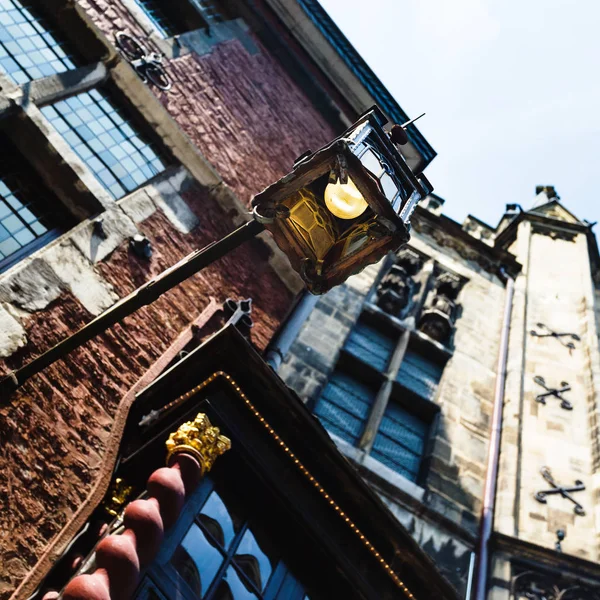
{"x":344,"y":200}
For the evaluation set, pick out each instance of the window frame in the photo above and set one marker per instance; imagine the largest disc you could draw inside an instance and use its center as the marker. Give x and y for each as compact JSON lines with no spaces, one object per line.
{"x":114,"y":95}
{"x":163,"y":576}
{"x":188,"y":17}
{"x":389,"y":389}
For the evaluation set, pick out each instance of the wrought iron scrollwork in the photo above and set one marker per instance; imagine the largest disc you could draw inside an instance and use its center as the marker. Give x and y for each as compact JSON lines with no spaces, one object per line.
{"x":555,"y":392}
{"x":545,"y":331}
{"x":148,"y":65}
{"x":438,"y":319}
{"x":563,"y":490}
{"x":397,"y":286}
{"x":532,"y":585}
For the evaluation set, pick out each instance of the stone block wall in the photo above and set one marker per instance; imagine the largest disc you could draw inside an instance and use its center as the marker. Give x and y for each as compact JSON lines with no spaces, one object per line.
{"x":556,"y":289}
{"x":443,"y":514}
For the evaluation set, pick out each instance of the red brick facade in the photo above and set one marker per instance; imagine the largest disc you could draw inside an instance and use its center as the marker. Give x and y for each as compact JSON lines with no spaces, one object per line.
{"x":250,"y":120}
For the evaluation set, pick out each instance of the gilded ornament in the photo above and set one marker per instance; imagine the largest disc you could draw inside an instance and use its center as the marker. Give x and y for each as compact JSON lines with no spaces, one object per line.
{"x":200,"y":439}
{"x":118,"y":497}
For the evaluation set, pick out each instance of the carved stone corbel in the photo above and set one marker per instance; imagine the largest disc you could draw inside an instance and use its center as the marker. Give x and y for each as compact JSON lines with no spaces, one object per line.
{"x":439,"y":317}
{"x":397,"y":286}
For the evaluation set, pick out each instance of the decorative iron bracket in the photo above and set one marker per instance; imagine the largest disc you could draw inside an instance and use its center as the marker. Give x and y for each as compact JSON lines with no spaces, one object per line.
{"x":148,"y":65}
{"x":550,"y":586}
{"x":564,"y":491}
{"x":547,"y":332}
{"x":556,"y":392}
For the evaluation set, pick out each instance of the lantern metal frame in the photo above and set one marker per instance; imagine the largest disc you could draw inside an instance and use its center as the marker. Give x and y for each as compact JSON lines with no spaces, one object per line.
{"x":386,"y":224}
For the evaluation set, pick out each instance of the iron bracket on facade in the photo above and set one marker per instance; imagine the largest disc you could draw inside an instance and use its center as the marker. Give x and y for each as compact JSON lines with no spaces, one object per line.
{"x":564,"y":491}
{"x":547,"y":332}
{"x":148,"y":65}
{"x":560,"y":536}
{"x":556,"y":392}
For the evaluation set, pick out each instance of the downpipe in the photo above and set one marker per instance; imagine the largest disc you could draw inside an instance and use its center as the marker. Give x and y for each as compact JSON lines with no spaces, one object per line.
{"x":489,"y":494}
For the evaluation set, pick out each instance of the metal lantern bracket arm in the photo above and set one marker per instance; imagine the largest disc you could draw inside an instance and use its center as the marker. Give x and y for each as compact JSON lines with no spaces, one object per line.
{"x":142,"y":296}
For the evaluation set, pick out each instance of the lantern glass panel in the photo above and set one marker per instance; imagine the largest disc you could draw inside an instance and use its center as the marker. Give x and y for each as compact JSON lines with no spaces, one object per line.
{"x":341,"y":207}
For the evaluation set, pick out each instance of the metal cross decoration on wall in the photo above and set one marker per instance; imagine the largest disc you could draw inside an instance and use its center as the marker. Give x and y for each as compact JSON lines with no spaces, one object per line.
{"x":556,"y":392}
{"x":547,"y":332}
{"x":563,"y":490}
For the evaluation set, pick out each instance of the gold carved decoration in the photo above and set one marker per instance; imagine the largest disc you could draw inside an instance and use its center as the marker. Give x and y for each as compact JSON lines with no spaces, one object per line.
{"x":200,"y":439}
{"x":117,"y":497}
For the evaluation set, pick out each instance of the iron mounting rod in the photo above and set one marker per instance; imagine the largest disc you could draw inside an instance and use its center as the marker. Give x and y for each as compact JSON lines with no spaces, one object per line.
{"x":142,"y":296}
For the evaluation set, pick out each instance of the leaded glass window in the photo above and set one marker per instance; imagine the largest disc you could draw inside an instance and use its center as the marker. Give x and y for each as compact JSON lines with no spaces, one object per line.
{"x":223,"y":555}
{"x":29,"y":47}
{"x":29,"y":213}
{"x":345,"y":405}
{"x":400,"y":440}
{"x":102,"y":137}
{"x":380,"y":395}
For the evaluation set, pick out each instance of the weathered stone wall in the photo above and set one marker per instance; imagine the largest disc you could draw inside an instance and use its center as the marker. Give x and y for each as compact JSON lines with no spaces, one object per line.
{"x":445,"y":517}
{"x":54,"y":430}
{"x":555,"y":289}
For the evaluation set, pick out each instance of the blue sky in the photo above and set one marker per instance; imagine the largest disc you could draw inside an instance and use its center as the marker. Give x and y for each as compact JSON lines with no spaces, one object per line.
{"x":511,"y":90}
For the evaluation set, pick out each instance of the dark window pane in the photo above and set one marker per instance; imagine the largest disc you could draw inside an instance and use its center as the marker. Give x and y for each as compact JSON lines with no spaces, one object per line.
{"x":155,"y":12}
{"x":251,"y":559}
{"x":20,"y":30}
{"x":27,"y":209}
{"x":197,"y":561}
{"x":371,"y":345}
{"x":218,"y":521}
{"x":419,"y":374}
{"x":344,"y":406}
{"x":84,"y":122}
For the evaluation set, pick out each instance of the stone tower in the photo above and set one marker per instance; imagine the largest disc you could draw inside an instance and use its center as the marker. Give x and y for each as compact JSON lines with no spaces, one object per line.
{"x":414,"y":364}
{"x":546,"y":519}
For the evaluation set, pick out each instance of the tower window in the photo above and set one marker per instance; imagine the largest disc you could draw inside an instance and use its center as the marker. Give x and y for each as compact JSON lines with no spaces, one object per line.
{"x":154,"y":10}
{"x":100,"y":135}
{"x":29,"y":48}
{"x":29,"y":213}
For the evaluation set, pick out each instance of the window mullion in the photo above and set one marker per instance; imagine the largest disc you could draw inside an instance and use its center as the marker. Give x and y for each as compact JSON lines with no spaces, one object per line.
{"x":383,"y":395}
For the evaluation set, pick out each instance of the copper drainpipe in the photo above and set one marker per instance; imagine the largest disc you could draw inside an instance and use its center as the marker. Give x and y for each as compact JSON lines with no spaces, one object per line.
{"x":489,"y":494}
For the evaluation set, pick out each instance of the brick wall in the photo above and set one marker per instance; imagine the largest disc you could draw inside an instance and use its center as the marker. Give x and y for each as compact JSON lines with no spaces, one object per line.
{"x":240,"y":108}
{"x":251,"y":121}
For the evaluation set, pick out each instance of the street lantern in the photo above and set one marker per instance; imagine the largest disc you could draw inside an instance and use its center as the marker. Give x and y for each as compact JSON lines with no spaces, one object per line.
{"x":344,"y":206}
{"x":340,"y":209}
